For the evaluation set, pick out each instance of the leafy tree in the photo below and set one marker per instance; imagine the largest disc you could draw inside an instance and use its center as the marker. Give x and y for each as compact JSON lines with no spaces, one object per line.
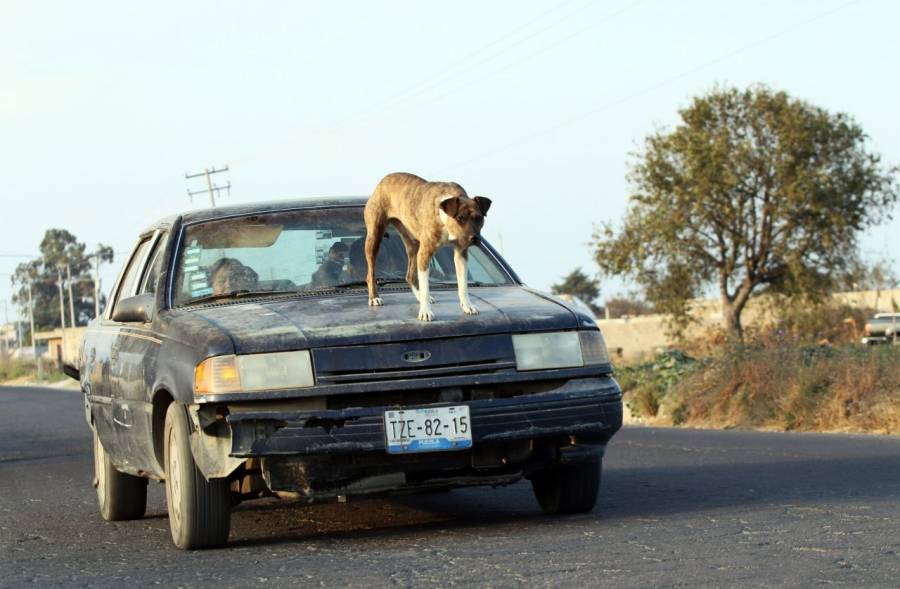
{"x":59,"y":249}
{"x":578,"y":284}
{"x":752,"y":190}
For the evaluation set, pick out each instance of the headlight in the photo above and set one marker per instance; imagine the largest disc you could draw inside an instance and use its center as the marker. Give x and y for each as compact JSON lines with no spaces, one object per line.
{"x":563,"y":349}
{"x":539,"y":351}
{"x":254,"y":372}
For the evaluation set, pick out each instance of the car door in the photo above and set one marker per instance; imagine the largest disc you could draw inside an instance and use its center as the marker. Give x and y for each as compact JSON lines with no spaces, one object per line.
{"x":138,"y":345}
{"x":107,"y":342}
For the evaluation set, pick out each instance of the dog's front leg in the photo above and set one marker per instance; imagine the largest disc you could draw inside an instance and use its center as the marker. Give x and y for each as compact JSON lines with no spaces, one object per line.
{"x":425,"y":312}
{"x":423,"y":262}
{"x":461,"y":261}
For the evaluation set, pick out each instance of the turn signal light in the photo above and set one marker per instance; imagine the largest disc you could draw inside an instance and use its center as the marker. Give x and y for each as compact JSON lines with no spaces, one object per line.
{"x":218,"y":374}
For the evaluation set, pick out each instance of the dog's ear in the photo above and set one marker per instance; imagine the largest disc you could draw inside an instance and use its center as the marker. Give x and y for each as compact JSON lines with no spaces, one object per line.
{"x":483,"y":204}
{"x":450,"y":205}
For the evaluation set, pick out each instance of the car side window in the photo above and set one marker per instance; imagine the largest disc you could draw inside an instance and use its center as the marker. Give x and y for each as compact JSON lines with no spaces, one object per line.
{"x":151,"y":276}
{"x":131,"y":273}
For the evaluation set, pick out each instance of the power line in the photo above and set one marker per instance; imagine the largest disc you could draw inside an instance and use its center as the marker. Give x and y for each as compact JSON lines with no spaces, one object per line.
{"x":397,"y":100}
{"x":389,"y":102}
{"x":583,"y":115}
{"x":471,"y":82}
{"x":540,"y":51}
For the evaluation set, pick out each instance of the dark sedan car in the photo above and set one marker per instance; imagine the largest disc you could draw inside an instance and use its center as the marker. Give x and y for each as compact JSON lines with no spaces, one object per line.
{"x":238,"y":358}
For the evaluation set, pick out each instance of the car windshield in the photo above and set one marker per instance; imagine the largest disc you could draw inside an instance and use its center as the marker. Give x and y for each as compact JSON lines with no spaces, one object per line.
{"x":298,"y":250}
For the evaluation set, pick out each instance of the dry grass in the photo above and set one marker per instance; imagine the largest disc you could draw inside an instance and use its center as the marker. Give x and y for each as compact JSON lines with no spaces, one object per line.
{"x":802,"y":371}
{"x":791,"y":387}
{"x":12,"y":370}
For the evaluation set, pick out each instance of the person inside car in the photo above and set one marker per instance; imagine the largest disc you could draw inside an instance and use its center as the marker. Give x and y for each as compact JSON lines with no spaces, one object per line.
{"x":391,"y":260}
{"x":229,"y":275}
{"x":329,"y":273}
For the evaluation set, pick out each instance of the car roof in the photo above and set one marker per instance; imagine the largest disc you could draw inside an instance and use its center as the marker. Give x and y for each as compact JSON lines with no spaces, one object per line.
{"x":209,"y":214}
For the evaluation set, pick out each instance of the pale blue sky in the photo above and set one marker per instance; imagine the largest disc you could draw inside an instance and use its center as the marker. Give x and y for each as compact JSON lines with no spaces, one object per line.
{"x":105,"y":105}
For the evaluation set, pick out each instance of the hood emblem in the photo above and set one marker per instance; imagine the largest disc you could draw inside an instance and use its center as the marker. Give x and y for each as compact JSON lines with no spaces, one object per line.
{"x":416,"y":356}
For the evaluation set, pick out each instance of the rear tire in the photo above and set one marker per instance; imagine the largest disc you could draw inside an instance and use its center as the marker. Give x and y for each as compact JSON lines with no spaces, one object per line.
{"x":121,"y":496}
{"x":199,"y":509}
{"x":570,"y":488}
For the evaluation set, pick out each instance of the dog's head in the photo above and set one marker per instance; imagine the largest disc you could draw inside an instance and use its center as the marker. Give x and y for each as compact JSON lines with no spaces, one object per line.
{"x":464,"y":217}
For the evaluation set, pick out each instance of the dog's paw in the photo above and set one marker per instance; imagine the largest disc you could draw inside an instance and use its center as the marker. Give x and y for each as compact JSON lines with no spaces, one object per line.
{"x":425,"y":313}
{"x":469,"y":308}
{"x":376,"y":302}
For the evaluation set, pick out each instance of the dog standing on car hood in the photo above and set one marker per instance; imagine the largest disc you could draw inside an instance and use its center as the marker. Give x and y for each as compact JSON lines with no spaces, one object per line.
{"x":427,"y":215}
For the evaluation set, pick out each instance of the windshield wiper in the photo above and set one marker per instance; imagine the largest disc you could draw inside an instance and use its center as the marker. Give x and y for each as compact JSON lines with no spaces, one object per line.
{"x":379,"y":281}
{"x":470,"y":283}
{"x":236,"y":294}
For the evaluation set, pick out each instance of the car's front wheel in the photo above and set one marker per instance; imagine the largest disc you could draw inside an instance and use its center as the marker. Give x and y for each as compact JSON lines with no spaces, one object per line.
{"x":569,"y":488}
{"x":121,"y":496}
{"x":199,"y":509}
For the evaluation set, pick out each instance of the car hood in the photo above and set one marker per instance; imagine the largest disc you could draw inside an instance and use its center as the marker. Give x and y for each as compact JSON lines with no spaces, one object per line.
{"x":277,"y":324}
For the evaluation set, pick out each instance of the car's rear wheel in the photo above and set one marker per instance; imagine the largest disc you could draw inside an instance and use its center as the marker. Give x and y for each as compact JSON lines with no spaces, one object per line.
{"x":121,"y":496}
{"x":199,"y":509}
{"x":569,"y":488}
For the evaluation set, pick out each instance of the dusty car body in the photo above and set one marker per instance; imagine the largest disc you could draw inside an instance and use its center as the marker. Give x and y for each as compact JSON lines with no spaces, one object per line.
{"x":306,"y":392}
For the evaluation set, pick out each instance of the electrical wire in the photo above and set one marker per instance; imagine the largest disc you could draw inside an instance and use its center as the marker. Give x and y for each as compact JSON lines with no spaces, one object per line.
{"x":435,"y":80}
{"x":646,"y":90}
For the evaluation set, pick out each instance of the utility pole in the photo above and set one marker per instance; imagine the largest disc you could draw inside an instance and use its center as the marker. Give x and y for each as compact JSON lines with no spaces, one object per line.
{"x":5,"y":329}
{"x":96,"y":285}
{"x":34,"y":352}
{"x":211,"y":189}
{"x":71,"y":298}
{"x":62,"y":311}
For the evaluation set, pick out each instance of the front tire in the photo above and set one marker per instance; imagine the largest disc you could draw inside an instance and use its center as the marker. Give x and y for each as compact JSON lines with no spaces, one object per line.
{"x":199,"y":509}
{"x":121,"y":496}
{"x":570,"y":488}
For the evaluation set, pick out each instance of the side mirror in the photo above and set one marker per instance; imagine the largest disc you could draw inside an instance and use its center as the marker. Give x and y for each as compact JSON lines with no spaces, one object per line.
{"x":71,"y":371}
{"x":137,"y":309}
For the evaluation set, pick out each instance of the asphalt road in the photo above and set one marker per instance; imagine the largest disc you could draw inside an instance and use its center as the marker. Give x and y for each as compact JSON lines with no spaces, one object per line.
{"x":678,"y":508}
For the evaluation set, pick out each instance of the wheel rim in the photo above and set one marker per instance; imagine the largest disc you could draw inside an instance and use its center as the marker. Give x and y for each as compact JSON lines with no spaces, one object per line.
{"x":173,"y":481}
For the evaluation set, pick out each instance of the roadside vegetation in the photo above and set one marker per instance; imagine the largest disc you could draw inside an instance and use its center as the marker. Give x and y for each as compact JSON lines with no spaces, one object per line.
{"x":12,"y":371}
{"x":805,"y":373}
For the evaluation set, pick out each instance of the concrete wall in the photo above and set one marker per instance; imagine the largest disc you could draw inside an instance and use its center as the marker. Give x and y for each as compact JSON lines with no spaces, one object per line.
{"x":645,"y":335}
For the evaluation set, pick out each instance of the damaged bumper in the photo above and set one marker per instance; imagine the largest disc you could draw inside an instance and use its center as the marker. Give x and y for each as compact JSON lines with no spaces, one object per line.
{"x":313,"y":454}
{"x":590,"y":409}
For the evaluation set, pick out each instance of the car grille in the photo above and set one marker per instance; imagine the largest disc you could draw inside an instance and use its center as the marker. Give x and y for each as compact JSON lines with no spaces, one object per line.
{"x":414,"y":359}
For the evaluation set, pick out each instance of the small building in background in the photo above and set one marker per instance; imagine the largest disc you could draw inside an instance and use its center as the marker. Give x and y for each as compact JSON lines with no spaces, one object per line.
{"x":56,"y":346}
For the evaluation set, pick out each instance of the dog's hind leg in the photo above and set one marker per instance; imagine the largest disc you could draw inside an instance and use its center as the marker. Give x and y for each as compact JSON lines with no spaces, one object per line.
{"x":461,"y":261}
{"x":412,"y":251}
{"x":375,"y":227}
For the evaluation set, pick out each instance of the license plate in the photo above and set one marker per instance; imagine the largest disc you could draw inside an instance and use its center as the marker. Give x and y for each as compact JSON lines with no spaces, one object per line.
{"x":430,"y":429}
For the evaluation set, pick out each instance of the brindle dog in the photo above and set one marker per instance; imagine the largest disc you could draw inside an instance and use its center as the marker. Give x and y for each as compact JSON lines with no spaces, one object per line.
{"x":427,"y":215}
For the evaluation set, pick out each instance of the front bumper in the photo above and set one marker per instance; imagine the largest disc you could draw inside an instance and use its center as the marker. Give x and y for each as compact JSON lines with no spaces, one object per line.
{"x":318,"y":454}
{"x":589,"y":409}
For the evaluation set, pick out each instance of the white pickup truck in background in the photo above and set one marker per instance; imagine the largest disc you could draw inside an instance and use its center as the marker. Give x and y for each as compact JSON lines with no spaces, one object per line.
{"x":883,"y":328}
